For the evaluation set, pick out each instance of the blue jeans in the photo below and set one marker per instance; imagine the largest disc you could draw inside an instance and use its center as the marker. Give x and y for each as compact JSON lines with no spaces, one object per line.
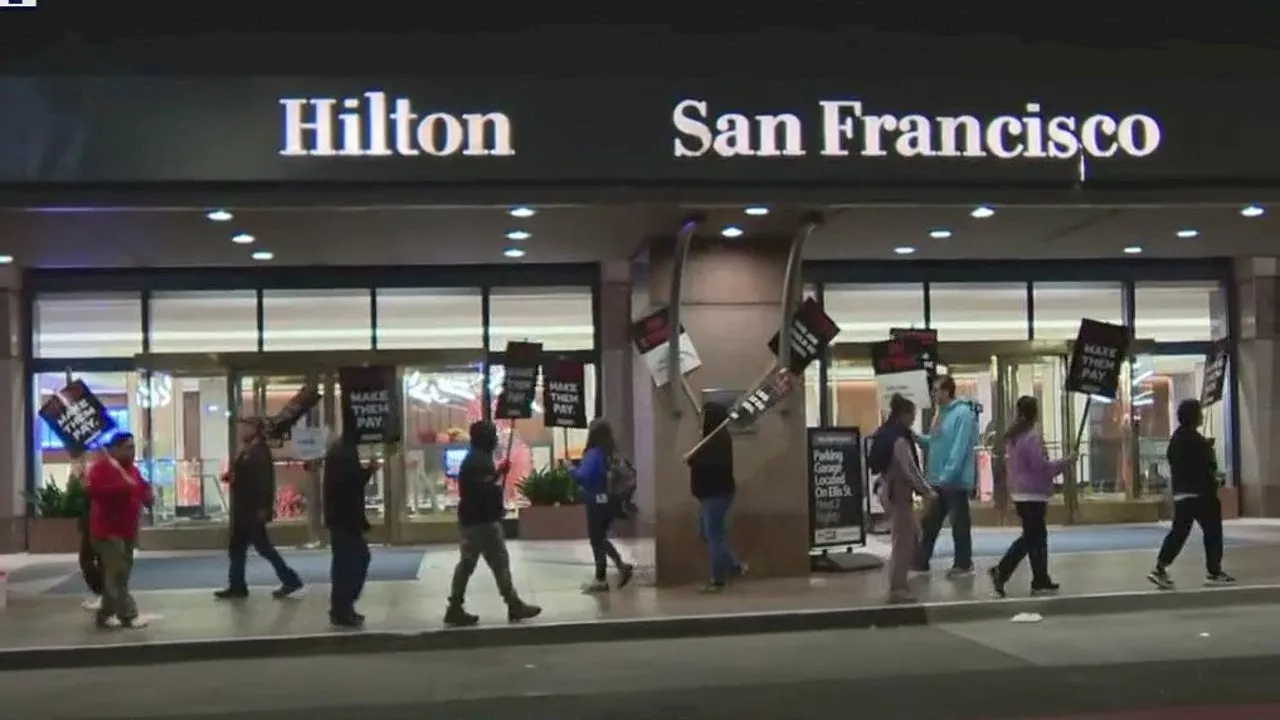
{"x":951,"y":503}
{"x":713,"y":517}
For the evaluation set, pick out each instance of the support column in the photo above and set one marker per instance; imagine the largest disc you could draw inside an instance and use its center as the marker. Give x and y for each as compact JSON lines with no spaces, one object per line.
{"x":13,"y":456}
{"x":731,"y":309}
{"x":1258,"y":367}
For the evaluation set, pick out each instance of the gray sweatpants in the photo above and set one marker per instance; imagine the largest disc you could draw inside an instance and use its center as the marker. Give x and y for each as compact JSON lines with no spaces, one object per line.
{"x":485,"y":541}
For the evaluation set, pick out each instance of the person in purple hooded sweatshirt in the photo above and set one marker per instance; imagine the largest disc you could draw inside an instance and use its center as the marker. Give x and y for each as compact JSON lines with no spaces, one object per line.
{"x":1030,"y":475}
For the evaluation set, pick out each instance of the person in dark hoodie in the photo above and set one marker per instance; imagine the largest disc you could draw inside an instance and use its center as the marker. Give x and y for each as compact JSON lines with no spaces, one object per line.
{"x":1194,"y":470}
{"x":90,"y":563}
{"x":253,"y":495}
{"x":712,"y":483}
{"x":480,"y":512}
{"x":345,"y":478}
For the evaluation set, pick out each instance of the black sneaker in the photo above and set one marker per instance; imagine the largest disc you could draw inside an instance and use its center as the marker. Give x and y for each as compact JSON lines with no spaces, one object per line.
{"x":1160,"y":579}
{"x":353,"y":621}
{"x":231,"y":594}
{"x":1045,"y":588}
{"x":522,"y":611}
{"x":625,"y":573}
{"x":1218,"y":579}
{"x":455,"y":616}
{"x":286,"y":591}
{"x":997,"y":583}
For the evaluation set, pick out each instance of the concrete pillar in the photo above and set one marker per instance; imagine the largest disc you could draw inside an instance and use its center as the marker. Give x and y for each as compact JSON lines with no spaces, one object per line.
{"x":1257,"y":372}
{"x":731,"y":309}
{"x":13,"y":456}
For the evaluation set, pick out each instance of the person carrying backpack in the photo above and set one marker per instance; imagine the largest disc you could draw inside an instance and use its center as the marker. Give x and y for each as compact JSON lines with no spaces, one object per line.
{"x":894,"y":457}
{"x":607,"y":484}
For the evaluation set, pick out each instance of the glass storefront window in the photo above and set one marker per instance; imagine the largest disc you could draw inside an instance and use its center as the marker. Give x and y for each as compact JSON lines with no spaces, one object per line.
{"x":317,"y":320}
{"x":411,"y":318}
{"x":864,"y":313}
{"x":1160,"y":383}
{"x":976,"y":312}
{"x":88,"y":325}
{"x":1174,"y":311}
{"x":440,"y":403}
{"x":119,"y":393}
{"x":202,"y":322}
{"x":186,"y":445}
{"x":1060,"y":306}
{"x":559,"y":318}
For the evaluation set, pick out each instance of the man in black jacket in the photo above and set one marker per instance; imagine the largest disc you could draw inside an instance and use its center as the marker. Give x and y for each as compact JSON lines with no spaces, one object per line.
{"x":345,"y":479}
{"x":1194,"y":470}
{"x":253,"y":501}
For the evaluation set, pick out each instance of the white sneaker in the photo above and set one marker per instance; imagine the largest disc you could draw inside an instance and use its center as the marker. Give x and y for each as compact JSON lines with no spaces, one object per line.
{"x":135,"y":624}
{"x":93,"y":604}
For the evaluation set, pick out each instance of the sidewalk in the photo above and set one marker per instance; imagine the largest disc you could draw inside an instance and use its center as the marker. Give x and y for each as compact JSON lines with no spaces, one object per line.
{"x":40,"y":625}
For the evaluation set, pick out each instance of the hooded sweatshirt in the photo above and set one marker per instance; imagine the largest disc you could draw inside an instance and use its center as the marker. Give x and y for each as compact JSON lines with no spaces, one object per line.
{"x":1192,"y":464}
{"x":951,"y":445}
{"x":480,"y":486}
{"x":711,"y":468}
{"x":1029,"y":469}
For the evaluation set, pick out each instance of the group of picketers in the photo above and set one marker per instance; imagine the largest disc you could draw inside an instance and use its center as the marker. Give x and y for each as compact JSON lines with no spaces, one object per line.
{"x":118,"y":495}
{"x":946,"y":481}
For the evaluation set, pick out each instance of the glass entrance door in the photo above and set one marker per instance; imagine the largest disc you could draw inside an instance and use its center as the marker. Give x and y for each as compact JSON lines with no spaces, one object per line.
{"x":184,"y":444}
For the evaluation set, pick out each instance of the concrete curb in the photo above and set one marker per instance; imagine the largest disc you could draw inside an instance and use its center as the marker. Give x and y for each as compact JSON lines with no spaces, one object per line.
{"x":882,"y":616}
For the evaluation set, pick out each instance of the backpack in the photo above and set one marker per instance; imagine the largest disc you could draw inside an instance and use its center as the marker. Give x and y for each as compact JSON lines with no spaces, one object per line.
{"x":880,"y":455}
{"x":620,"y":483}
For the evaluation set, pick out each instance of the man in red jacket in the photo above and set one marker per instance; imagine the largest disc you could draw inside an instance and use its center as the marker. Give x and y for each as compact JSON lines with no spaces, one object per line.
{"x":117,"y":494}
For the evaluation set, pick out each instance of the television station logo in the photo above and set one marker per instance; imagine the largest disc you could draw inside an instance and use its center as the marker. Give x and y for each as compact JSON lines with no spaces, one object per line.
{"x":17,"y":4}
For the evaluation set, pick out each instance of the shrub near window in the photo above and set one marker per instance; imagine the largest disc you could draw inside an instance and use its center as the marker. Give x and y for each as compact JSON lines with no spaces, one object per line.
{"x":549,"y":487}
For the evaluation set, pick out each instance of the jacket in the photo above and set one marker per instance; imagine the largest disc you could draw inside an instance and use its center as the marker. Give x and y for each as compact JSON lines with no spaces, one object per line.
{"x":711,"y":468}
{"x":345,"y":479}
{"x":481,"y":483}
{"x":1193,"y":467}
{"x":253,"y":485}
{"x":1028,"y":469}
{"x":117,"y":496}
{"x":592,"y":475}
{"x":902,"y":476}
{"x":952,"y":463}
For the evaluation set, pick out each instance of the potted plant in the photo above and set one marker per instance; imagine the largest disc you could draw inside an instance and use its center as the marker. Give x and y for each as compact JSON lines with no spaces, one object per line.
{"x":58,"y":512}
{"x":553,"y":511}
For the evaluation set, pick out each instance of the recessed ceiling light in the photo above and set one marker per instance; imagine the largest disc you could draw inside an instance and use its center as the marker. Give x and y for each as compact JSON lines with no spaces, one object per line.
{"x":519,"y":235}
{"x":904,"y":250}
{"x":514,"y":252}
{"x":6,"y":259}
{"x":940,"y":234}
{"x":263,"y":255}
{"x":243,"y":239}
{"x":1132,"y":250}
{"x":732,"y":232}
{"x":756,"y":211}
{"x":982,"y":212}
{"x":219,"y":215}
{"x":1252,"y":211}
{"x":522,"y":212}
{"x":1188,"y":233}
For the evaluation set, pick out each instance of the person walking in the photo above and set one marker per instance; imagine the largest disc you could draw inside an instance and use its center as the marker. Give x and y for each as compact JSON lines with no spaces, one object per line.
{"x":1193,"y":468}
{"x":90,"y":565}
{"x":895,"y":458}
{"x":713,"y":485}
{"x":602,"y":507}
{"x":480,"y":513}
{"x":1029,"y":473}
{"x":345,"y":479}
{"x":119,"y":493}
{"x":253,"y":495}
{"x":952,"y":471}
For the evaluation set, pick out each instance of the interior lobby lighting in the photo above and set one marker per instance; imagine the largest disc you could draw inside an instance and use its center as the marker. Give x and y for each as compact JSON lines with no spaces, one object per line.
{"x":1188,"y":233}
{"x":1132,"y":250}
{"x":982,"y":212}
{"x":6,"y":259}
{"x":1252,"y":211}
{"x":514,"y":252}
{"x":242,"y":239}
{"x":757,"y":211}
{"x":519,"y":235}
{"x":940,"y":234}
{"x":732,"y":232}
{"x":522,"y":212}
{"x":904,"y":250}
{"x":219,"y":215}
{"x":263,"y":255}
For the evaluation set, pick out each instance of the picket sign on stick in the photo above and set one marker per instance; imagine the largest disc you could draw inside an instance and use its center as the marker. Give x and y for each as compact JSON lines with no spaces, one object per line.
{"x":694,"y":450}
{"x":1084,"y":420}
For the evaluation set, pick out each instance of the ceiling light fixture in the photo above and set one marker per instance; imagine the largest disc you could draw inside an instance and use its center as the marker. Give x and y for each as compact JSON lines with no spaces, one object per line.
{"x":1252,"y":211}
{"x":1133,"y":250}
{"x":982,"y":212}
{"x":522,"y":212}
{"x":514,"y":252}
{"x":243,"y":239}
{"x":219,"y":215}
{"x":263,"y":255}
{"x":6,"y":259}
{"x":940,"y":234}
{"x":904,"y":250}
{"x":757,"y":211}
{"x":519,"y":235}
{"x":732,"y":232}
{"x":1188,"y":233}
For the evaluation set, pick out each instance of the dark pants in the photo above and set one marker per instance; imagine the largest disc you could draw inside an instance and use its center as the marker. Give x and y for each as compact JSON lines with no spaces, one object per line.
{"x":950,"y":503}
{"x":348,"y":569}
{"x":1033,"y":543}
{"x":117,"y":569}
{"x":90,"y":564}
{"x":252,"y":533}
{"x":482,"y":541}
{"x":600,"y":517}
{"x":1204,"y":510}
